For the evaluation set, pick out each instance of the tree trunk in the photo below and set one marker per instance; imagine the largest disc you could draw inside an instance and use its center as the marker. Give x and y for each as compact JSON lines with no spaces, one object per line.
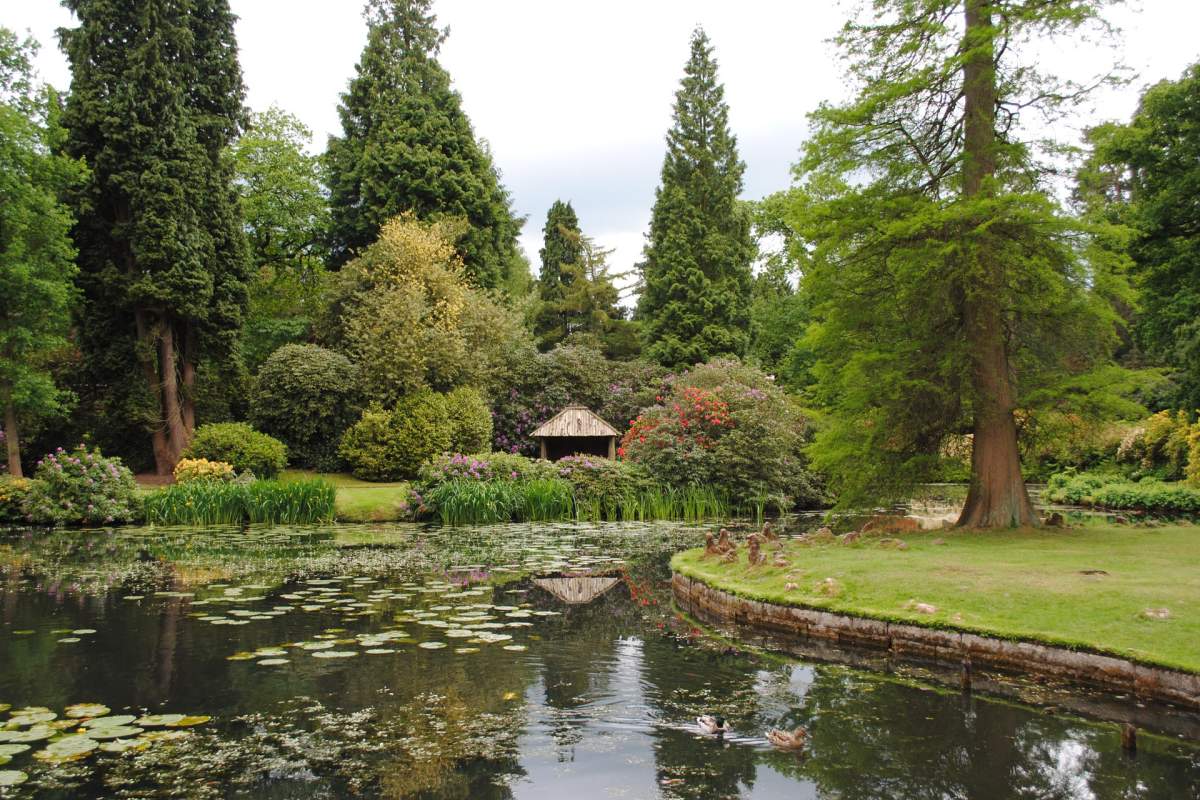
{"x":163,"y":366}
{"x":997,"y":496}
{"x":12,"y":438}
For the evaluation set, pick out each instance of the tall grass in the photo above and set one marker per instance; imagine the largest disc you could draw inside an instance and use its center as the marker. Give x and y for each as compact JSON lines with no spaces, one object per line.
{"x":467,"y":502}
{"x":218,"y":503}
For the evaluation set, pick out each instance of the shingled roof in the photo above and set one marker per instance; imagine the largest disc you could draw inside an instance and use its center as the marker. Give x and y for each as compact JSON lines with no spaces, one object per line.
{"x":575,"y":421}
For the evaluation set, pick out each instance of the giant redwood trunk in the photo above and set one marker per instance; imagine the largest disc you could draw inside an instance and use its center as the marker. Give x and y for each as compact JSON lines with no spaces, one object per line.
{"x":12,"y":438}
{"x":169,"y":369}
{"x":997,"y":496}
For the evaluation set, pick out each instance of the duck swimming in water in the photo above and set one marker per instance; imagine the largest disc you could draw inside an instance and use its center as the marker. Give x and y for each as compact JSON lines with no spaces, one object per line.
{"x":712,"y":725}
{"x":795,"y":740}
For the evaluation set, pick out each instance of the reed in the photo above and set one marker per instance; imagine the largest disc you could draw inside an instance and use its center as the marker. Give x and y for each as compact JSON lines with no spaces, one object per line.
{"x":220,"y":503}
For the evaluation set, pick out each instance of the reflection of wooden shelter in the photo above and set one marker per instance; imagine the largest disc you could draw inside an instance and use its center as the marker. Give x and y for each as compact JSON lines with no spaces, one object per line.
{"x":582,"y":589}
{"x":576,"y":430}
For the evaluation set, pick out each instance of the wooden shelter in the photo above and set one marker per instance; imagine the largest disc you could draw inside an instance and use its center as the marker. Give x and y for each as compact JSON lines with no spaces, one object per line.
{"x":576,"y":431}
{"x":578,"y":590}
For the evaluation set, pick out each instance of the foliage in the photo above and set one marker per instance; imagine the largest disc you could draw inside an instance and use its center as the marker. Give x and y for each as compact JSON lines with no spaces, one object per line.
{"x":13,"y":492}
{"x":539,"y":385}
{"x":1159,"y":446}
{"x":307,"y":396}
{"x":189,"y":470}
{"x":81,"y":487}
{"x":36,"y":255}
{"x":470,"y":420}
{"x":481,"y":467}
{"x":238,"y":444}
{"x":695,"y":301}
{"x":283,"y":203}
{"x":224,"y":503}
{"x":407,"y":146}
{"x":1116,"y":493}
{"x":1148,"y":170}
{"x":156,"y":98}
{"x":1192,"y":472}
{"x":392,"y":445}
{"x":562,"y":246}
{"x":405,"y":308}
{"x":949,"y":289}
{"x":726,"y":424}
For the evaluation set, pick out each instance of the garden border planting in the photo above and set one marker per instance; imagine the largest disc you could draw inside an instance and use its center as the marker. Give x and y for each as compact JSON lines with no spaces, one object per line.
{"x":920,"y":643}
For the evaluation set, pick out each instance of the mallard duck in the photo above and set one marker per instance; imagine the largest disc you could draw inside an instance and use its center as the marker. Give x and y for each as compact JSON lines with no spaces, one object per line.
{"x":784,"y":740}
{"x":712,"y":725}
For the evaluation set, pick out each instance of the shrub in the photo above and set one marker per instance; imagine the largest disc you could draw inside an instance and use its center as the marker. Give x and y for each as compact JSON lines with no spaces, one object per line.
{"x":725,"y":424}
{"x":1159,"y":445}
{"x":1193,"y":464}
{"x":231,"y":503}
{"x":307,"y":397}
{"x":470,"y":421}
{"x":239,"y":444}
{"x":12,"y":497}
{"x":1116,"y":492}
{"x":392,"y":445}
{"x":201,"y":469}
{"x":599,"y":484}
{"x":81,"y":488}
{"x":481,"y":467}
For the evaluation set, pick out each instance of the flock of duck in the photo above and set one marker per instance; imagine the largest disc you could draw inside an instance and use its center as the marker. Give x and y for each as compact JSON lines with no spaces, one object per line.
{"x":785,"y":740}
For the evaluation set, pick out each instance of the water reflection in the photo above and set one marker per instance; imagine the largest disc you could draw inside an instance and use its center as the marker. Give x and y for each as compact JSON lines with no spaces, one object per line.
{"x":599,"y":704}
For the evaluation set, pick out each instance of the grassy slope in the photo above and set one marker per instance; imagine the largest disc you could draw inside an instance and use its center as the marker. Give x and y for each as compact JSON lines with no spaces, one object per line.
{"x":357,"y":500}
{"x":1015,"y":584}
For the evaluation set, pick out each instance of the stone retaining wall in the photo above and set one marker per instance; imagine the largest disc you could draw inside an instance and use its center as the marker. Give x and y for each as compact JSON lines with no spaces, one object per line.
{"x":920,"y":643}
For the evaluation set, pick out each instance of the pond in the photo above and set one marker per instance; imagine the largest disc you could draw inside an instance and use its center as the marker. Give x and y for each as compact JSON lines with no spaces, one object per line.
{"x":401,"y":662}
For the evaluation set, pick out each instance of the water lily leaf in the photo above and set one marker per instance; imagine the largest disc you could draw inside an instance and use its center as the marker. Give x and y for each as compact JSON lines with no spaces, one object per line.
{"x":69,"y":639}
{"x":316,"y":645}
{"x":432,"y":645}
{"x":84,"y":631}
{"x":10,"y":750}
{"x":80,"y":710}
{"x":466,"y":650}
{"x":68,"y":748}
{"x":380,"y":651}
{"x":12,"y":777}
{"x":518,"y":648}
{"x":124,"y":745}
{"x":24,"y":720}
{"x":35,"y":734}
{"x":243,"y":656}
{"x":189,"y":721}
{"x":335,"y":654}
{"x":158,"y":720}
{"x":109,"y":722}
{"x":164,"y":736}
{"x":113,"y":732}
{"x":5,"y":707}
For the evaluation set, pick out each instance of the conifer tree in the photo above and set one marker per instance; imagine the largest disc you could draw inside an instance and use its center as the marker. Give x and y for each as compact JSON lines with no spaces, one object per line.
{"x":156,"y":97}
{"x":695,"y":301}
{"x":561,"y":247}
{"x":407,"y":146}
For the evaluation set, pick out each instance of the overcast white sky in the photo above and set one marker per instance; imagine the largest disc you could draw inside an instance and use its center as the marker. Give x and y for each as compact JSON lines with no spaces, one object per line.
{"x":575,"y":97}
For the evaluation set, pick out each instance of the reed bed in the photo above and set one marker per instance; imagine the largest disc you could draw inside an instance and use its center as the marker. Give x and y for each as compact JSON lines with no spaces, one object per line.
{"x":218,"y":503}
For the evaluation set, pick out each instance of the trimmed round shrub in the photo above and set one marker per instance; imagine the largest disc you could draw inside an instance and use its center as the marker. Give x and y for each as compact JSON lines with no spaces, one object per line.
{"x":189,"y":470}
{"x":81,"y":487}
{"x":392,"y":445}
{"x":239,"y":444}
{"x":307,"y":396}
{"x":470,"y":421}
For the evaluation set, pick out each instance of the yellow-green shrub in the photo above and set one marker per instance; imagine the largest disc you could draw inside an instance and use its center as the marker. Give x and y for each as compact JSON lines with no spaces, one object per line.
{"x":12,"y":495}
{"x":201,"y":469}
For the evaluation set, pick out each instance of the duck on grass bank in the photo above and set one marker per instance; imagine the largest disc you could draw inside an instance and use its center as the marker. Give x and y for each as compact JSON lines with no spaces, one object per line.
{"x":712,"y":725}
{"x":785,"y":740}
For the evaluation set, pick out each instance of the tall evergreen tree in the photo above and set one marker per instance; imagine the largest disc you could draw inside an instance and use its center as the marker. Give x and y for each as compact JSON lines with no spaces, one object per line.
{"x":156,"y":97}
{"x":695,"y":300}
{"x":951,"y":293}
{"x":562,"y":246}
{"x":37,"y":260}
{"x":407,"y":145}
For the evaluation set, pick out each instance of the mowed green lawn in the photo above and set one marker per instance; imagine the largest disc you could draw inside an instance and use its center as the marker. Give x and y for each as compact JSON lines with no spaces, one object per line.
{"x":1025,"y":584}
{"x":358,"y":500}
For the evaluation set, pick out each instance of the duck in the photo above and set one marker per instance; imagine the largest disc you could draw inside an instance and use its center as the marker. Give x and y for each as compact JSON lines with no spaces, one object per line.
{"x":712,"y":725}
{"x":785,"y":740}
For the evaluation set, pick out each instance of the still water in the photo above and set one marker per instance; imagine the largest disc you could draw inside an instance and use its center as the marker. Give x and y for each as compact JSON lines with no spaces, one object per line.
{"x":400,"y":662}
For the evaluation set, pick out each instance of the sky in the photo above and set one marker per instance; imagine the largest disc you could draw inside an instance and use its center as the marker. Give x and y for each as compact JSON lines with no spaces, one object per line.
{"x":574,"y":98}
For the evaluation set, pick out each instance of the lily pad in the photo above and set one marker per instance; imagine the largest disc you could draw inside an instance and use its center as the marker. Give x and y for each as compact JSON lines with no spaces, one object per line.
{"x":10,"y":750}
{"x":113,"y":732}
{"x":158,"y":720}
{"x":273,"y":662}
{"x":164,"y":736}
{"x":80,"y":710}
{"x":380,"y":651}
{"x":84,"y":631}
{"x":335,"y":654}
{"x":123,"y":745}
{"x":69,"y":639}
{"x":34,"y":718}
{"x":432,"y":645}
{"x":35,"y":734}
{"x":115,"y":721}
{"x":317,"y":645}
{"x":12,"y":777}
{"x":189,"y":721}
{"x":68,"y":748}
{"x":516,"y":648}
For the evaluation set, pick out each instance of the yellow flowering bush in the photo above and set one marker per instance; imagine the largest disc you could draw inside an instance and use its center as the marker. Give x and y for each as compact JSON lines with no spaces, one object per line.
{"x":201,"y":469}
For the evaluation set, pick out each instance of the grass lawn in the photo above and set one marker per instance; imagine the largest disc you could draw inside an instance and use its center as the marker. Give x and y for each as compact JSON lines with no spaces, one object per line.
{"x":1025,"y":584}
{"x":358,"y":500}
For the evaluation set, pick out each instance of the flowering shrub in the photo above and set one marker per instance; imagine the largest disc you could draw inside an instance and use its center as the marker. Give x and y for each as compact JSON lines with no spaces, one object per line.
{"x":12,"y":497}
{"x":238,"y":444}
{"x":81,"y":488}
{"x":725,"y":424}
{"x":201,"y":469}
{"x":482,"y":467}
{"x":601,"y":481}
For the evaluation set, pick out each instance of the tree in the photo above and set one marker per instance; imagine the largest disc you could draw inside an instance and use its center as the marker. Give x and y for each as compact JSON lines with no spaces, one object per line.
{"x":561,"y":248}
{"x":37,"y":260}
{"x":695,"y":301}
{"x":156,"y":98}
{"x":407,"y":146}
{"x":950,"y":291}
{"x":281,"y":191}
{"x":1146,"y":174}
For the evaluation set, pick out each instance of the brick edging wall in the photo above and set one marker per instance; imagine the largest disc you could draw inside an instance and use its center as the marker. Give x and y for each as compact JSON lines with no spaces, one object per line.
{"x":952,"y":647}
